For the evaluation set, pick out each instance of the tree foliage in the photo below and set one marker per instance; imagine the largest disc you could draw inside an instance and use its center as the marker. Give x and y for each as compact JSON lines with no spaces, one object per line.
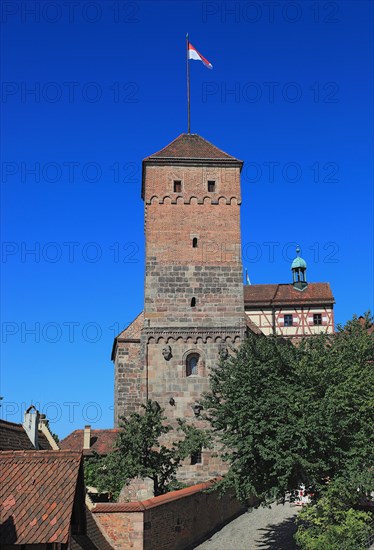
{"x":337,"y":519}
{"x":139,"y":452}
{"x":289,"y":415}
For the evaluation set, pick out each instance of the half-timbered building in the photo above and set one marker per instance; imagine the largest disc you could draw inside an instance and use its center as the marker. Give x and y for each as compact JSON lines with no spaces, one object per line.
{"x":291,"y":310}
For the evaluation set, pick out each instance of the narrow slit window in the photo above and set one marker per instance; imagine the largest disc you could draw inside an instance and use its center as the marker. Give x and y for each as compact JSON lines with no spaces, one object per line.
{"x":177,"y":186}
{"x":194,"y":242}
{"x":211,"y":186}
{"x":193,"y":302}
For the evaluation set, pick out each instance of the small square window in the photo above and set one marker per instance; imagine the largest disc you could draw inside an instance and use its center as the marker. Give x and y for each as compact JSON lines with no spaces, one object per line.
{"x":288,"y":321}
{"x":211,"y":186}
{"x":196,"y":458}
{"x":317,"y":319}
{"x":177,"y":186}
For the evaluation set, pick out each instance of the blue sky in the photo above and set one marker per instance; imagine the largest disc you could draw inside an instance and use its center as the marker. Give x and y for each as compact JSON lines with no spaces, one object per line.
{"x":91,"y":89}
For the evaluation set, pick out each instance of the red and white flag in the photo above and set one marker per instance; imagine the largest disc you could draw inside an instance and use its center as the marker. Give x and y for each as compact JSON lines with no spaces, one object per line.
{"x":194,"y":54}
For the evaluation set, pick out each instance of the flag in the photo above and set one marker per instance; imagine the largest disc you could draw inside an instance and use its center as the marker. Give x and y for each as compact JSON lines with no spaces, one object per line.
{"x":248,"y":282}
{"x":194,"y":54}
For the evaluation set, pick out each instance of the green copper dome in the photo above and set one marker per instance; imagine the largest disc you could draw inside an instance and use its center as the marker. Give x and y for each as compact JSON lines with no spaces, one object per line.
{"x":298,"y":262}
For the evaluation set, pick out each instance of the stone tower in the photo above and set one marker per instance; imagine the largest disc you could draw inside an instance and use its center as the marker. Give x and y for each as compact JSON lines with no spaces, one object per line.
{"x":194,"y":306}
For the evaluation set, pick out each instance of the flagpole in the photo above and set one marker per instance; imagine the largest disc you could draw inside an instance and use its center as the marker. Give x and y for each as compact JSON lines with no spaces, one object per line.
{"x":188,"y":90}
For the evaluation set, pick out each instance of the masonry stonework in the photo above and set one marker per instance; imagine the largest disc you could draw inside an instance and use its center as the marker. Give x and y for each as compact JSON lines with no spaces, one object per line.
{"x":179,"y":520}
{"x":193,"y":305}
{"x":129,"y":378}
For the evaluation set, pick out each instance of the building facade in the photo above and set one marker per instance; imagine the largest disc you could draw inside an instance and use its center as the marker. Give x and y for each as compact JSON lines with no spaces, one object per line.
{"x":291,"y":310}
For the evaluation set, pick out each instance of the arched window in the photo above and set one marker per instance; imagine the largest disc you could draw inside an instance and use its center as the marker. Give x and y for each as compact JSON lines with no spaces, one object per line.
{"x":194,"y":242}
{"x":193,"y":302}
{"x":192,"y":363}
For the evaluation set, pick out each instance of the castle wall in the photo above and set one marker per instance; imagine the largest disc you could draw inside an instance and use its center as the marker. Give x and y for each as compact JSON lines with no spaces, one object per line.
{"x":180,"y":519}
{"x":129,"y":380}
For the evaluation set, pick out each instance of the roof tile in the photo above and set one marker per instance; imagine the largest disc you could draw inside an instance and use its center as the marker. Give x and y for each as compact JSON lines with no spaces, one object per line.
{"x":14,"y":438}
{"x":281,"y":294}
{"x":191,"y":146}
{"x":102,"y":441}
{"x":37,"y":495}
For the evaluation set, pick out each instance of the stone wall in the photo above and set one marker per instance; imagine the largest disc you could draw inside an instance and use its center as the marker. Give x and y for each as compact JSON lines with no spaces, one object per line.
{"x":175,"y":521}
{"x":179,"y":394}
{"x":194,"y":302}
{"x":129,"y":380}
{"x":129,"y":372}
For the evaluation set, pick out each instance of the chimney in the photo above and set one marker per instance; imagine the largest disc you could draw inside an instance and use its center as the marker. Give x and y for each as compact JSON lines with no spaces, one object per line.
{"x":87,"y":438}
{"x":44,"y":428}
{"x":30,"y":425}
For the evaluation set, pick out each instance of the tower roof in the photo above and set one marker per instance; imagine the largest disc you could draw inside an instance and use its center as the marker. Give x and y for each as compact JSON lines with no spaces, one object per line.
{"x":298,"y":261}
{"x":192,"y":146}
{"x":191,"y":149}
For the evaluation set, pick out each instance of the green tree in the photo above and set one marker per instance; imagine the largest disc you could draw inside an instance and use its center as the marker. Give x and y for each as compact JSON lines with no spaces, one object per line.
{"x":337,"y":379}
{"x":337,"y":519}
{"x":252,"y":406}
{"x":289,"y":415}
{"x":139,"y":452}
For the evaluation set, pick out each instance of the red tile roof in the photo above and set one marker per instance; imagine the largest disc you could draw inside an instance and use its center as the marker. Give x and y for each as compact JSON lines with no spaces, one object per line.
{"x":138,"y":506}
{"x":37,"y":493}
{"x":191,"y":146}
{"x":282,"y":294}
{"x":14,"y":438}
{"x":102,"y":441}
{"x":190,"y":149}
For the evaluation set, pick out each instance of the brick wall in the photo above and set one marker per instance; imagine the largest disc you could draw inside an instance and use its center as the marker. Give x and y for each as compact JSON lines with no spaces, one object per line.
{"x":177,"y":272}
{"x":174,"y":521}
{"x":123,"y":530}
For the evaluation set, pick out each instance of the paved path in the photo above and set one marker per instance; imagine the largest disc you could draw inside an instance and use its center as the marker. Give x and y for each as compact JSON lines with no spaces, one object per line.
{"x":261,"y":529}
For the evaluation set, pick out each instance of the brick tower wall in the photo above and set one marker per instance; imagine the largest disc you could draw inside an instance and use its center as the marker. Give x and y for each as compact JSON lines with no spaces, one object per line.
{"x":176,"y":272}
